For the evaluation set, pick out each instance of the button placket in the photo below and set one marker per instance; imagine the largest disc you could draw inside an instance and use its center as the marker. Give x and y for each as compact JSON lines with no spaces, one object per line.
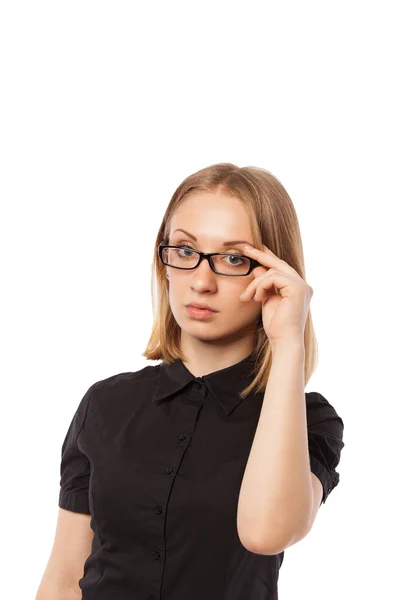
{"x":179,"y":437}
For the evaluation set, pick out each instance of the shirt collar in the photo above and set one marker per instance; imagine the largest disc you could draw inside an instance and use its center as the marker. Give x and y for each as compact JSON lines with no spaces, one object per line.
{"x":225,"y":384}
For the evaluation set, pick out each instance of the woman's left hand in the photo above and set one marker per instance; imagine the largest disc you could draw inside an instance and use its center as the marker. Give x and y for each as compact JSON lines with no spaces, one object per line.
{"x":284,"y":311}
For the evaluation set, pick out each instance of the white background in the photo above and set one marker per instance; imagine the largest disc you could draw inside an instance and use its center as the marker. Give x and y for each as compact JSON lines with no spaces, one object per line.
{"x":105,"y":108}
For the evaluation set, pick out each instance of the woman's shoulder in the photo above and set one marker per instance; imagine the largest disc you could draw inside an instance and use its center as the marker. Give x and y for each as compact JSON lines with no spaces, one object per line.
{"x":319,"y":408}
{"x":125,"y":382}
{"x":323,"y":420}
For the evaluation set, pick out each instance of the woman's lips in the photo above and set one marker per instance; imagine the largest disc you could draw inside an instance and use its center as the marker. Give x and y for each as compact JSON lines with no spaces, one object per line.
{"x":199,"y":313}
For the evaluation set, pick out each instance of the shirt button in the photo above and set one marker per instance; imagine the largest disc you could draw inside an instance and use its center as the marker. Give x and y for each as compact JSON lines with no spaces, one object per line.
{"x":156,"y":554}
{"x":152,"y":598}
{"x":198,"y":385}
{"x":169,"y":470}
{"x":159,"y":510}
{"x":182,"y":437}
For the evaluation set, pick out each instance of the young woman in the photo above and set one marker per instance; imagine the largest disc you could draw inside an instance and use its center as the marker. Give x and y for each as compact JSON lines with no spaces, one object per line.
{"x":188,"y":479}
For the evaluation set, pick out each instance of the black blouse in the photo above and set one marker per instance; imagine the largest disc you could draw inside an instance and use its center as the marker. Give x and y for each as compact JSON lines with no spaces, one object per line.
{"x":156,"y":457}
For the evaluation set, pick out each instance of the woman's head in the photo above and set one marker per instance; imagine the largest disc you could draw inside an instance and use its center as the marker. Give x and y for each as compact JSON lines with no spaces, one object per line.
{"x":213,"y":218}
{"x":219,"y":204}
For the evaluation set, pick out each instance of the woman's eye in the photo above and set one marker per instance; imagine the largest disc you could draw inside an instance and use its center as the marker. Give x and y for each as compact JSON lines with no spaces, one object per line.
{"x":235,"y":258}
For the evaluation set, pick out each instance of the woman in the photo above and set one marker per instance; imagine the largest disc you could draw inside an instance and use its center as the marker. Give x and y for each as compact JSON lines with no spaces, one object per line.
{"x":198,"y":472}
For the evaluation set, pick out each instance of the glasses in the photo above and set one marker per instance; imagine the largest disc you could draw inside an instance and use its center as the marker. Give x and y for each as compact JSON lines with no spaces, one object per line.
{"x":222,"y":263}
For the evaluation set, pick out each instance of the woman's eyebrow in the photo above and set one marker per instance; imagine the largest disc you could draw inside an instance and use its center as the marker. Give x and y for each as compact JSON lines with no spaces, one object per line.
{"x":230,"y":243}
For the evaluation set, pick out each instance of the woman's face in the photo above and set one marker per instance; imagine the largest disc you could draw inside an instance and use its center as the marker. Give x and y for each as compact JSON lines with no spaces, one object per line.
{"x":213,"y":219}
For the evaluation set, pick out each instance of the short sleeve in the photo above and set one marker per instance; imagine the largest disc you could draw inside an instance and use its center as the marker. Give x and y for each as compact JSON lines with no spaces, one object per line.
{"x":325,"y":441}
{"x":75,"y":465}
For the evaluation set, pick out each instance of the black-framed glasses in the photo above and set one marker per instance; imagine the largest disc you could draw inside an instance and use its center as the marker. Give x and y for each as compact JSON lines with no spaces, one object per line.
{"x":222,"y":263}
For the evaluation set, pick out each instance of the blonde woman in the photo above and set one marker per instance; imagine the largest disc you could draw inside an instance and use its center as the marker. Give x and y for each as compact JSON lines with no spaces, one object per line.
{"x":188,"y":479}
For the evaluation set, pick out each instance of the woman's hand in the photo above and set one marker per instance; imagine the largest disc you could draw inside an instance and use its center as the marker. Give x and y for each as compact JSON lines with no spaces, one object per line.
{"x":285,"y":296}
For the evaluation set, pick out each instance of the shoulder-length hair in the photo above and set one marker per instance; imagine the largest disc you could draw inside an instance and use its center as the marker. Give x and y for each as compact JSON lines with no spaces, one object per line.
{"x":273,"y":223}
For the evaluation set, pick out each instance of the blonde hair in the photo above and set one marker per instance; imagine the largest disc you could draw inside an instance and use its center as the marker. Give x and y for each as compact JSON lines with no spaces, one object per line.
{"x":273,"y":223}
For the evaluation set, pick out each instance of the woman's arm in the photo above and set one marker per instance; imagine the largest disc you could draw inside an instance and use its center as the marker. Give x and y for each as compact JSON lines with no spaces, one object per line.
{"x":276,"y":495}
{"x":72,"y":545}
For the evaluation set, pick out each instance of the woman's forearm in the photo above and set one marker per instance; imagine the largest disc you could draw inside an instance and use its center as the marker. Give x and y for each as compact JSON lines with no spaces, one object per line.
{"x":50,"y":590}
{"x":275,"y":498}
